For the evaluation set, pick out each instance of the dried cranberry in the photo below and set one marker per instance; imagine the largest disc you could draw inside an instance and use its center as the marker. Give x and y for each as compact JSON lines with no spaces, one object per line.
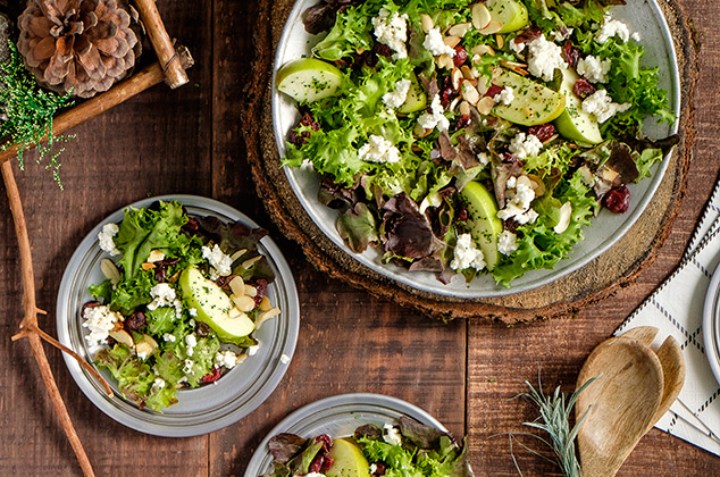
{"x":135,"y":321}
{"x":192,"y":226}
{"x":528,"y":35}
{"x":570,"y":54}
{"x":327,"y":465}
{"x":542,"y":131}
{"x":317,"y":464}
{"x":462,"y":215}
{"x":447,"y":96}
{"x":583,"y":88}
{"x":298,"y":139}
{"x":326,"y":442}
{"x":462,"y":121}
{"x":261,"y":285}
{"x":460,"y":57}
{"x":379,"y":468}
{"x":618,"y":199}
{"x":493,"y":90}
{"x":212,"y":376}
{"x":382,"y":50}
{"x":202,"y":329}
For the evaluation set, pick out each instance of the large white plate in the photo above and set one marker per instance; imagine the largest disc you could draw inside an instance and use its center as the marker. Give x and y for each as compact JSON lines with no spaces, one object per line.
{"x":207,"y":408}
{"x":338,"y":416}
{"x":644,"y":17}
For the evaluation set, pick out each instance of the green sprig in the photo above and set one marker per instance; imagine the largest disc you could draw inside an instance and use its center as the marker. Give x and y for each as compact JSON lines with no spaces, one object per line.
{"x":30,"y":111}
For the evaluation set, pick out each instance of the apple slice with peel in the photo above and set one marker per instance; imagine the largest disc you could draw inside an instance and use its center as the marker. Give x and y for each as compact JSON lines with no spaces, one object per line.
{"x":349,"y":460}
{"x":483,"y":220}
{"x":533,"y":102}
{"x":510,"y":14}
{"x":574,"y":123}
{"x":416,"y":99}
{"x":309,"y":79}
{"x":213,"y":307}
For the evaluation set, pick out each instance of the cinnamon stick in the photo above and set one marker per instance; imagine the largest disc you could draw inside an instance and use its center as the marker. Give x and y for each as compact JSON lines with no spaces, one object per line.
{"x":30,"y":320}
{"x":164,"y":49}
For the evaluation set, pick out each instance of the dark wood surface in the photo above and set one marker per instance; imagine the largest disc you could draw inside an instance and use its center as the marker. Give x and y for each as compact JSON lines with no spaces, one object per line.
{"x":191,"y":141}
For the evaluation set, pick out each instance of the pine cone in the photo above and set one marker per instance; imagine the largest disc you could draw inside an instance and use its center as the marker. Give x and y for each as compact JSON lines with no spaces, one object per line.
{"x":83,"y":46}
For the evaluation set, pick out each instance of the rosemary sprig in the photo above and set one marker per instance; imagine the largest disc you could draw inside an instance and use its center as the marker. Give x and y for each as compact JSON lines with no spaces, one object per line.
{"x":29,"y":113}
{"x":556,"y":411}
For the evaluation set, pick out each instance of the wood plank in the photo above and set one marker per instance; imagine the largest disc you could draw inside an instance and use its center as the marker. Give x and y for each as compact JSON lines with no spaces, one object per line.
{"x":156,"y":143}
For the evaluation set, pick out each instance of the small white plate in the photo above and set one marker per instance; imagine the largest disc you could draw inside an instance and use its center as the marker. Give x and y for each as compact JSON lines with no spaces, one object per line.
{"x":711,"y":324}
{"x":207,"y":408}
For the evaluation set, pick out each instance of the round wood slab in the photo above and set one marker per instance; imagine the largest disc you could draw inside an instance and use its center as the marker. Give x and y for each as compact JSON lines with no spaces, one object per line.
{"x":616,"y":268}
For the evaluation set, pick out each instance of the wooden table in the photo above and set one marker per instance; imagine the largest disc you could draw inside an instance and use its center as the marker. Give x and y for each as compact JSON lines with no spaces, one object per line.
{"x":190,"y":141}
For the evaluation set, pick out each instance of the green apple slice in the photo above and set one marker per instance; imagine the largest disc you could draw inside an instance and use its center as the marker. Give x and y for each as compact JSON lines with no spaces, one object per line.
{"x":213,"y":307}
{"x":533,"y":102}
{"x":484,"y":223}
{"x":416,"y":99}
{"x":309,"y":79}
{"x":510,"y":14}
{"x":349,"y":460}
{"x":574,"y":123}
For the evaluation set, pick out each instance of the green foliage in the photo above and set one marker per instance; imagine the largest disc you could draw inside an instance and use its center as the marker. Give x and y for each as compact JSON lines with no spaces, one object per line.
{"x":30,"y":111}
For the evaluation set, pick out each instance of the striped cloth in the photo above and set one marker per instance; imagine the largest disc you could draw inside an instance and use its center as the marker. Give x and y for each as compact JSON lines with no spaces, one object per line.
{"x":676,"y":309}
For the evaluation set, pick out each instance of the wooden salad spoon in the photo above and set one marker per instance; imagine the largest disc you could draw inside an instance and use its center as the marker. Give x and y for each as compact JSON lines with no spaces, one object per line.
{"x":671,"y":361}
{"x":620,"y":404}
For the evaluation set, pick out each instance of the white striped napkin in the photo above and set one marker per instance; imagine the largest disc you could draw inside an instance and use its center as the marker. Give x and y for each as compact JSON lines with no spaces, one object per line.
{"x":676,"y":309}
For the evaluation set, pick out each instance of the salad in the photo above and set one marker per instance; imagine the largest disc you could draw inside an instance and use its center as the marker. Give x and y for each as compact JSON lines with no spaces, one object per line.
{"x":407,"y":448}
{"x":180,"y":302}
{"x":472,"y":137}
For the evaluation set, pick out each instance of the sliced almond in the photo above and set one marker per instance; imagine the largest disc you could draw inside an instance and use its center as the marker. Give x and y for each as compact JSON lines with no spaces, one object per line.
{"x":480,"y":15}
{"x":420,"y":132}
{"x":466,"y":72}
{"x":237,"y":285}
{"x":485,"y":105}
{"x":454,"y":103}
{"x":465,"y":108}
{"x":143,"y":350}
{"x":238,"y":254}
{"x":250,"y":262}
{"x":452,"y":41}
{"x":266,"y":315}
{"x":243,"y":302}
{"x":457,"y":75}
{"x":460,"y":29}
{"x":565,"y":215}
{"x":110,"y":270}
{"x":538,"y":185}
{"x":147,"y":266}
{"x":426,"y":22}
{"x":250,"y":291}
{"x":469,"y":93}
{"x":518,"y":68}
{"x":265,"y":304}
{"x":122,"y":336}
{"x":149,"y":340}
{"x":492,"y":27}
{"x":483,"y":50}
{"x":482,"y":85}
{"x":499,"y":40}
{"x":445,"y":61}
{"x":155,"y":256}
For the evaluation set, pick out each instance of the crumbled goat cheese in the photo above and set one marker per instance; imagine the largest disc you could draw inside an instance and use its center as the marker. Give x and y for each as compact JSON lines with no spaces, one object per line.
{"x":284,"y":359}
{"x":635,"y":36}
{"x":506,"y":96}
{"x":226,"y":359}
{"x":373,"y":469}
{"x":436,"y":118}
{"x":252,"y":351}
{"x":391,"y":30}
{"x":467,"y":255}
{"x":517,"y":46}
{"x":314,"y":474}
{"x":190,"y":343}
{"x":611,"y":28}
{"x":483,"y":158}
{"x":106,"y":239}
{"x":155,"y":256}
{"x":560,"y":36}
{"x":169,"y":337}
{"x":100,"y":321}
{"x":164,"y":296}
{"x":544,"y":57}
{"x":392,"y":435}
{"x":158,"y":384}
{"x":434,"y":43}
{"x":594,"y":69}
{"x":524,"y":145}
{"x":396,"y":98}
{"x":520,"y":195}
{"x":378,"y":149}
{"x":601,"y":105}
{"x":221,"y":262}
{"x":192,"y":312}
{"x":507,"y":242}
{"x":187,"y":369}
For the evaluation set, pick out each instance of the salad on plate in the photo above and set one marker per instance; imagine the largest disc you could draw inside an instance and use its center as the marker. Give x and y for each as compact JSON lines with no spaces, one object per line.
{"x":405,"y":447}
{"x":180,"y":302}
{"x":473,"y":137}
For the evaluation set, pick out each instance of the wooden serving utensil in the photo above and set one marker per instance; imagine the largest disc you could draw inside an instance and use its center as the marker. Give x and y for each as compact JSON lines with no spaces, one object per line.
{"x":672,"y":362}
{"x":621,"y":403}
